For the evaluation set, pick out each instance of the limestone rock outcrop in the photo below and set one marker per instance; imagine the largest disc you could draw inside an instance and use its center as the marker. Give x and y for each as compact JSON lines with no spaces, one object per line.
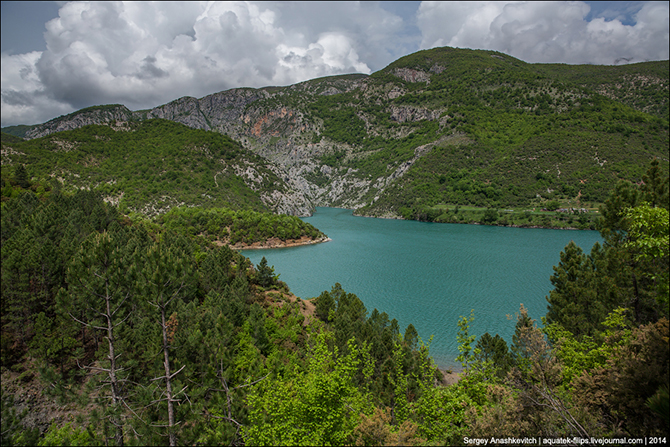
{"x":84,"y":117}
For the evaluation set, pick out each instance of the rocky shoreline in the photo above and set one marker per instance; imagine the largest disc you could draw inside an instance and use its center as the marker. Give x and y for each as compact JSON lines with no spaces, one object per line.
{"x":275,"y":242}
{"x":450,"y":377}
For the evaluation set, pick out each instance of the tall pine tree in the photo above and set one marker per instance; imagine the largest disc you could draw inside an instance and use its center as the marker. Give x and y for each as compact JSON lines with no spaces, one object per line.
{"x":101,"y":296}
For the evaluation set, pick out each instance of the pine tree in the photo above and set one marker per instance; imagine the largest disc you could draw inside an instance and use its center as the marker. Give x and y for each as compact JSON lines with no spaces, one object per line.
{"x":100,"y":296}
{"x":632,"y":276}
{"x":164,"y":281}
{"x":265,"y":274}
{"x":493,"y":350}
{"x":216,"y":270}
{"x":324,"y":305}
{"x":21,"y":176}
{"x":584,"y":290}
{"x":655,"y":187}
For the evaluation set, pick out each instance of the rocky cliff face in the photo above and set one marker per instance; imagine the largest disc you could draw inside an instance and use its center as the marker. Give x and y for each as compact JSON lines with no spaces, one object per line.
{"x":183,"y":110}
{"x":292,"y":200}
{"x":273,"y":123}
{"x":85,"y":117}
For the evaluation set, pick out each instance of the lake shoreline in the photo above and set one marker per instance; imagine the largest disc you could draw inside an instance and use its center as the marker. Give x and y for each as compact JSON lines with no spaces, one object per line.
{"x":428,"y":275}
{"x":472,"y":223}
{"x":275,"y":242}
{"x":450,"y":377}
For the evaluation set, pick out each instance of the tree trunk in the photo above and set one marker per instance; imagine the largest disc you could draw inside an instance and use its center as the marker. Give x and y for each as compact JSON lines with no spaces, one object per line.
{"x":168,"y":382}
{"x":116,"y":397}
{"x":636,"y":301}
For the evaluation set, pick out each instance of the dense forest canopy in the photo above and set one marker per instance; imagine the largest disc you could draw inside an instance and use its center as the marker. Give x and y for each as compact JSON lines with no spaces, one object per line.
{"x":237,"y":227}
{"x":168,"y":338}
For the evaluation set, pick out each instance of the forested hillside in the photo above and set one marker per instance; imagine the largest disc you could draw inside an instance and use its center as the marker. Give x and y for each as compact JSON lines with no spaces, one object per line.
{"x":167,"y":338}
{"x":151,"y":167}
{"x":437,"y":129}
{"x":129,"y":332}
{"x":517,"y":134}
{"x":239,"y":229}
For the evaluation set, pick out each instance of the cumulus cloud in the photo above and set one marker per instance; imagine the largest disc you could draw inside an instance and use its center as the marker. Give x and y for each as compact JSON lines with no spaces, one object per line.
{"x":144,"y":54}
{"x":24,"y":98}
{"x":331,"y":53}
{"x":369,"y":29}
{"x":546,"y":31}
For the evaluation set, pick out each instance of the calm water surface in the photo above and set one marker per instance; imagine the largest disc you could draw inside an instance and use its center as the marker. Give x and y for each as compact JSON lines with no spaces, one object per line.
{"x":429,"y":274}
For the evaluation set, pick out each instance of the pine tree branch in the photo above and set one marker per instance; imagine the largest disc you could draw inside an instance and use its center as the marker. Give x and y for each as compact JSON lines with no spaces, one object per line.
{"x":87,"y":324}
{"x":128,"y":294}
{"x":175,"y":373}
{"x":92,"y":367}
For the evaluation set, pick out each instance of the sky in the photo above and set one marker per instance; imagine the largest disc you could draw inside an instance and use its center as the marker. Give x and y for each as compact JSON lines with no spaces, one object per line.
{"x":58,"y":57}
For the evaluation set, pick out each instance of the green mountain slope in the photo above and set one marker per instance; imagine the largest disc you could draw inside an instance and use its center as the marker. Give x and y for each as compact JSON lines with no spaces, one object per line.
{"x":481,"y":128}
{"x":19,"y":131}
{"x":150,"y":167}
{"x":640,"y":86}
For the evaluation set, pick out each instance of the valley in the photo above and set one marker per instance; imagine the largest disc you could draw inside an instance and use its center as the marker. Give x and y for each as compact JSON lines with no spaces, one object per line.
{"x":131,"y":316}
{"x":441,"y":126}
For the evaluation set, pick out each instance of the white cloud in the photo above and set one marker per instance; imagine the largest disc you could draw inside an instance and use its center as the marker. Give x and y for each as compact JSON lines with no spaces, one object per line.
{"x":23,"y":95}
{"x":546,"y":31}
{"x":332,"y":53}
{"x":145,"y":54}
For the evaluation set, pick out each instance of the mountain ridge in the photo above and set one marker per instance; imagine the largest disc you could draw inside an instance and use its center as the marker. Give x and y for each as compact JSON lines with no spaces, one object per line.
{"x":353,"y":140}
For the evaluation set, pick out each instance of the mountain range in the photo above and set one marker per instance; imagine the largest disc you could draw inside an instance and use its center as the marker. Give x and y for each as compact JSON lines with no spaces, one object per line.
{"x":436,"y":128}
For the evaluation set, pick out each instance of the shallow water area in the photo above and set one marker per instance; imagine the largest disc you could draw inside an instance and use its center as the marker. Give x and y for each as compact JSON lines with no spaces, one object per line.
{"x":429,"y":274}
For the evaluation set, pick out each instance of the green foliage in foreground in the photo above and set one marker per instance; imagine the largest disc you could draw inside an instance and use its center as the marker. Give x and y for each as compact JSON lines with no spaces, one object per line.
{"x":319,"y":406}
{"x":68,"y":435}
{"x":648,"y":231}
{"x":13,"y":432}
{"x":117,"y":315}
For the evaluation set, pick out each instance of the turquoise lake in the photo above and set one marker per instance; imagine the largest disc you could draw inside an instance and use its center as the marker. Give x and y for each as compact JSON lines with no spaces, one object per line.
{"x":429,"y":274}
